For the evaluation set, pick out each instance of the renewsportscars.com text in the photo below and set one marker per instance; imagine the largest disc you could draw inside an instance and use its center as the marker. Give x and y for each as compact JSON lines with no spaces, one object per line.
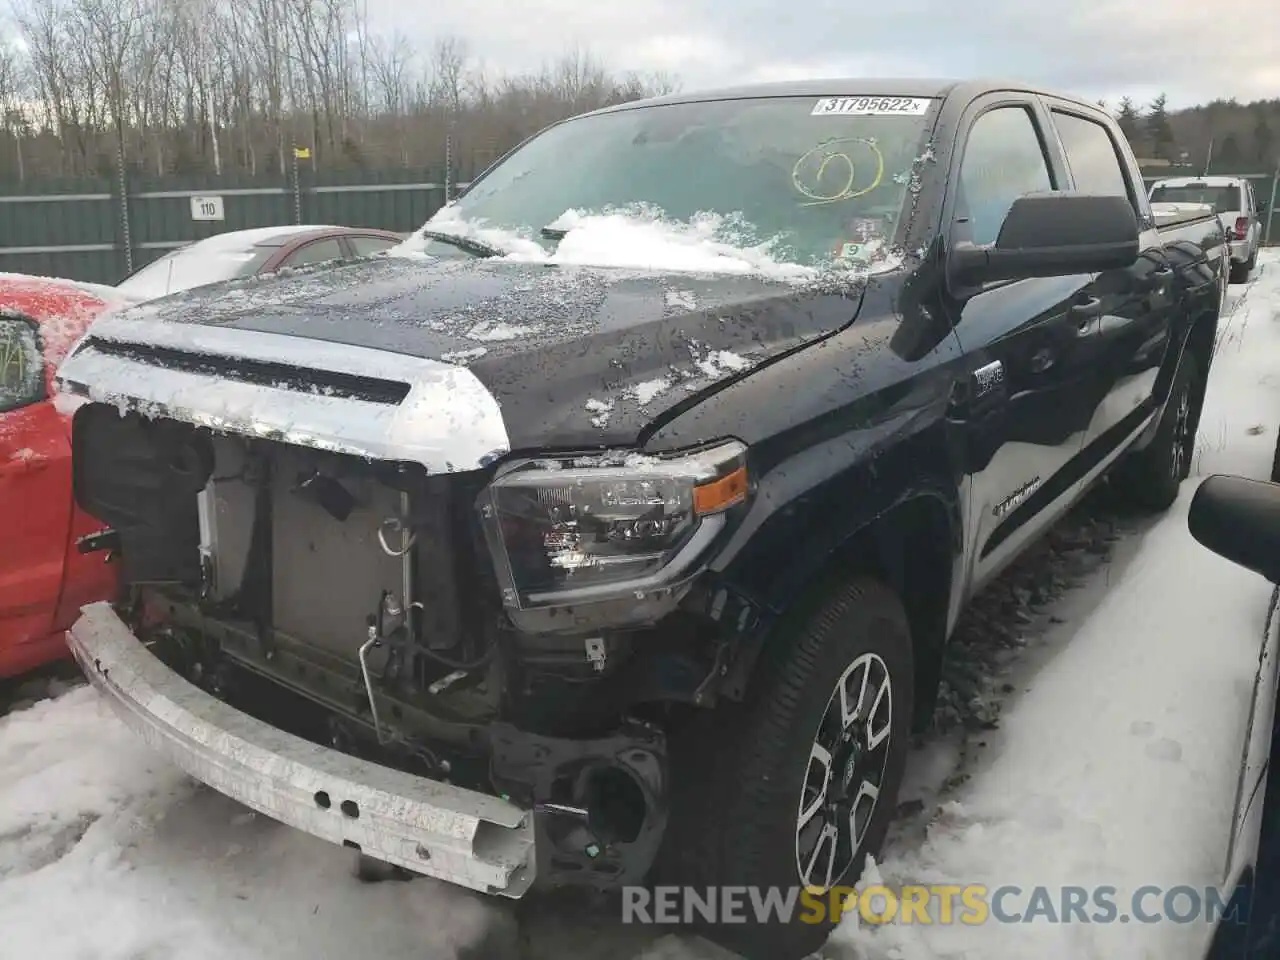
{"x":969,"y":904}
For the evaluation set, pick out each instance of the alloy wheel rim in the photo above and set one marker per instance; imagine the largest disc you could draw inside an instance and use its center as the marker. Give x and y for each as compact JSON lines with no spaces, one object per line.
{"x":1181,"y":427}
{"x":845,"y":773}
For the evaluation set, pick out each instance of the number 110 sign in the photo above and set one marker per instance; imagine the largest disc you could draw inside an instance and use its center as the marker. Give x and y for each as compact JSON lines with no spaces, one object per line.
{"x":207,"y":208}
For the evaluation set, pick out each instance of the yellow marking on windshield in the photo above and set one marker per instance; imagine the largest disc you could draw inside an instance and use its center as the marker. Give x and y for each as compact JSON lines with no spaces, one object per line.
{"x":846,"y":192}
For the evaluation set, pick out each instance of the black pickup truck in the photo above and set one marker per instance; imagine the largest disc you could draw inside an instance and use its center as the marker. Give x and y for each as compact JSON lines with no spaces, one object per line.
{"x":548,"y":551}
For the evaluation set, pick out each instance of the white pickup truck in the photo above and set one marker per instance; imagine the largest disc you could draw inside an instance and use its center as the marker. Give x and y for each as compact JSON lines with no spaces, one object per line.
{"x":1233,"y":200}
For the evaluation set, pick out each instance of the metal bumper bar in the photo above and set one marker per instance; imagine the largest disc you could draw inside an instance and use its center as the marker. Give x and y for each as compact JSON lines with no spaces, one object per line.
{"x":461,"y":836}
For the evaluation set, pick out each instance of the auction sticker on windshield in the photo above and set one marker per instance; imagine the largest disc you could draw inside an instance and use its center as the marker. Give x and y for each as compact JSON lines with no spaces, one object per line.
{"x":870,"y":106}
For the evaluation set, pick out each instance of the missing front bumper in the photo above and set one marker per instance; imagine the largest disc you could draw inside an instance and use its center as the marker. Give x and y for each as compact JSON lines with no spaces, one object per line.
{"x":458,"y":835}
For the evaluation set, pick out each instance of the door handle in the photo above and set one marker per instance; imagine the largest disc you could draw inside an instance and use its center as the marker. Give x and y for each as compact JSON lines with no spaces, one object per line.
{"x":1085,"y":313}
{"x":1156,"y":278}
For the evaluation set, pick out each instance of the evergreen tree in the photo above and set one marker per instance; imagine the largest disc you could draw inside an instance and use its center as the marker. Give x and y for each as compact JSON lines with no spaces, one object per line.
{"x":1130,"y":122}
{"x":1158,"y":130}
{"x":1228,"y":154}
{"x":1263,"y":139}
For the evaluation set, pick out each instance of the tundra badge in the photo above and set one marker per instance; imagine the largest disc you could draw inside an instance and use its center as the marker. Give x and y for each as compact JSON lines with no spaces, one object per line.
{"x":987,"y":378}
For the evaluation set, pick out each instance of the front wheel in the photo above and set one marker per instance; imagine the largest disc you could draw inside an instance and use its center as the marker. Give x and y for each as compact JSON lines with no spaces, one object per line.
{"x":795,"y":786}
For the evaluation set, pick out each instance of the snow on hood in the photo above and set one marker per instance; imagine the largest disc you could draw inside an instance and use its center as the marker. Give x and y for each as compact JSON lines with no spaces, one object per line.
{"x":637,"y":238}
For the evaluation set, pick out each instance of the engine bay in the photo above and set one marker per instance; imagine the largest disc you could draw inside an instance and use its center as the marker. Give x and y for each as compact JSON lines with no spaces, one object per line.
{"x":353,"y":603}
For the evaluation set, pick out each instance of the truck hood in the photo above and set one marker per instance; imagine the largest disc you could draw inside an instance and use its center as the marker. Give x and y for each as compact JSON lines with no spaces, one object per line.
{"x":572,"y":357}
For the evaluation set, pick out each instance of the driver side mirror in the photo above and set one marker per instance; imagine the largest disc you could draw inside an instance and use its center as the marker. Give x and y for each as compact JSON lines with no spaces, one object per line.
{"x":22,"y":381}
{"x":1052,"y":235}
{"x":1239,"y":520}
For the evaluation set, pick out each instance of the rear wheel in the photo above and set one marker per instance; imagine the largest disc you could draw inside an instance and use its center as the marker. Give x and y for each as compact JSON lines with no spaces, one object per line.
{"x":795,"y":786}
{"x":1153,"y":476}
{"x":1240,"y":271}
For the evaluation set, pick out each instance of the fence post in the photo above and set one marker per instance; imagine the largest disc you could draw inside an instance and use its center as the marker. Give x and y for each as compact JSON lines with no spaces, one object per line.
{"x":448,"y":165}
{"x":1271,"y":207}
{"x":297,"y":186}
{"x":126,"y":232}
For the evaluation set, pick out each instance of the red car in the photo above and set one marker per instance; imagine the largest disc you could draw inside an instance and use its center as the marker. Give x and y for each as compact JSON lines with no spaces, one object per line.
{"x":44,"y":580}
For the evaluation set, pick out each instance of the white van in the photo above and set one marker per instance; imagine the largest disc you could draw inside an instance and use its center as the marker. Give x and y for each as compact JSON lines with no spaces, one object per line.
{"x":1232,"y":199}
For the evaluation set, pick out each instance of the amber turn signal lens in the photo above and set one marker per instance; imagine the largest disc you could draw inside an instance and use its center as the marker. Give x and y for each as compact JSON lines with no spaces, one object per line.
{"x":721,"y":494}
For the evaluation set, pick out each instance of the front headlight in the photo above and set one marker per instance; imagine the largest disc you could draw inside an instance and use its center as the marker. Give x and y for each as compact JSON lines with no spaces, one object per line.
{"x":589,"y":528}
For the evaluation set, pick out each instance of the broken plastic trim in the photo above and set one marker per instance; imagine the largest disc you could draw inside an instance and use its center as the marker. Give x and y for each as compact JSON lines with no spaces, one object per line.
{"x":436,"y":829}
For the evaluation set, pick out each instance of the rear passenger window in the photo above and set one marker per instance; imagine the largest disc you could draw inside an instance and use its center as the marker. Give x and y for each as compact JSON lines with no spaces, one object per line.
{"x":318,"y":251}
{"x":1003,"y":160}
{"x":1091,"y":155}
{"x":368,"y":246}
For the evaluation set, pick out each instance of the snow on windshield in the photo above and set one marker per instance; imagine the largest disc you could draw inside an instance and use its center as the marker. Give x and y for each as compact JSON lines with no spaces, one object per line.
{"x":224,"y":256}
{"x":785,"y":187}
{"x":192,"y":266}
{"x":635,"y":238}
{"x":641,"y":238}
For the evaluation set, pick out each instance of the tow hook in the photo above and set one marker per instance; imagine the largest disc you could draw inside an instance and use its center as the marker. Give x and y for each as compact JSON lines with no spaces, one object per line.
{"x":104,"y":541}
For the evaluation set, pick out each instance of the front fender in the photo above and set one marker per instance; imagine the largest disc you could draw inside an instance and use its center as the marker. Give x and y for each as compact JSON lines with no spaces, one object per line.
{"x":811,"y":505}
{"x":822,"y":511}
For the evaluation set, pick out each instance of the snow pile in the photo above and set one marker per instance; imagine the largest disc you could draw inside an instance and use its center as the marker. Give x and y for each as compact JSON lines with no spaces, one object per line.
{"x":636,"y":238}
{"x":108,"y":852}
{"x":78,"y":789}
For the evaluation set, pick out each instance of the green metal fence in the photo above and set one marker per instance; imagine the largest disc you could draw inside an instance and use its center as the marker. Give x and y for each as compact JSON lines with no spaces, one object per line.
{"x":100,"y":230}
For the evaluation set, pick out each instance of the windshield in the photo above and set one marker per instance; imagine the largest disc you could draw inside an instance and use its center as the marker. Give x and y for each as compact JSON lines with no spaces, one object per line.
{"x":795,"y":180}
{"x":1222,"y":199}
{"x":195,"y":266}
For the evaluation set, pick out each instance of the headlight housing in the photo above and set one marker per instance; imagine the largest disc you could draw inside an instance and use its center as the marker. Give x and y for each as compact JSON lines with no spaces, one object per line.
{"x":579,"y":529}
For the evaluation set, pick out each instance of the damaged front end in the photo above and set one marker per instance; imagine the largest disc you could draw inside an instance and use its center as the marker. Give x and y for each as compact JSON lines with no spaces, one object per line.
{"x":350,"y":611}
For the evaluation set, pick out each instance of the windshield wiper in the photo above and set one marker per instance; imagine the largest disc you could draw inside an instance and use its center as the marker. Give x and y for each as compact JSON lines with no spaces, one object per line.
{"x":476,"y":248}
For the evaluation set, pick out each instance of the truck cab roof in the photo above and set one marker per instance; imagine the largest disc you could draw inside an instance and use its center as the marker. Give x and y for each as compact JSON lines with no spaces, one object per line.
{"x":935,"y":87}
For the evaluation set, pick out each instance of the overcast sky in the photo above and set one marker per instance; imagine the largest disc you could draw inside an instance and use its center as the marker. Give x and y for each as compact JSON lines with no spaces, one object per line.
{"x":1194,"y":51}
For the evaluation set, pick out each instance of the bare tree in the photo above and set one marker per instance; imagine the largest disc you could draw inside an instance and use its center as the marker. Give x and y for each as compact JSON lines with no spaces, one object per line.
{"x":14,"y":122}
{"x":217,"y":87}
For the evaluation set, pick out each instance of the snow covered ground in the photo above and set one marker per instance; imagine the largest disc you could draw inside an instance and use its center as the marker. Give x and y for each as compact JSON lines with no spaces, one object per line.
{"x":1098,"y":745}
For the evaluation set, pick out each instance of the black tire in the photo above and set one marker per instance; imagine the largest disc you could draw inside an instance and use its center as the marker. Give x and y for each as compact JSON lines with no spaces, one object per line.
{"x":1275,"y":463}
{"x":1253,"y":262}
{"x":1240,"y":271}
{"x":1152,"y":477}
{"x":741,"y":777}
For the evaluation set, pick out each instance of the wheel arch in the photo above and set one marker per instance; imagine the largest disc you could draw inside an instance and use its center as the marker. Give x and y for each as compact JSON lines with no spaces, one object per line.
{"x":913,"y":547}
{"x":1201,"y":344}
